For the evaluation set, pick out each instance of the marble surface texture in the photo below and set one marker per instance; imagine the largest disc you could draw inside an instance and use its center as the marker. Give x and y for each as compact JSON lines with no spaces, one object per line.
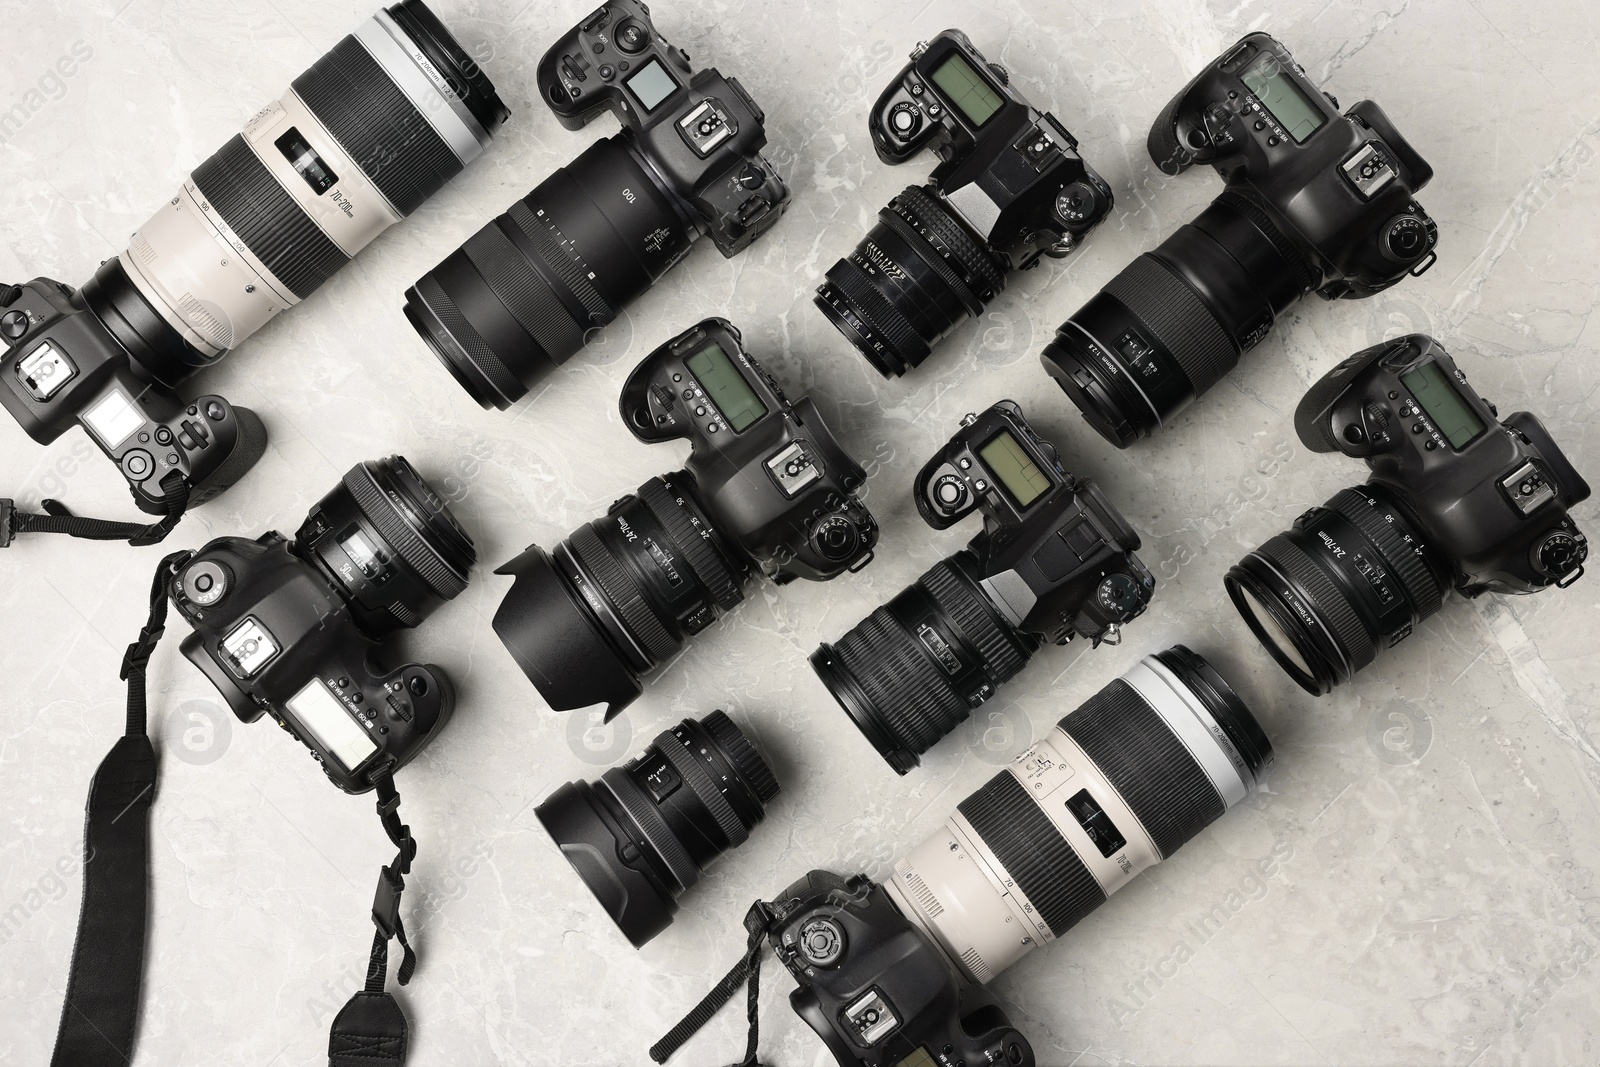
{"x":1434,"y":898}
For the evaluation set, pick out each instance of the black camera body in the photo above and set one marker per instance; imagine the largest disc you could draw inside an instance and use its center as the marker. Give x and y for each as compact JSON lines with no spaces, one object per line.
{"x":1061,"y":561}
{"x":876,"y":989}
{"x":778,"y":485}
{"x":1014,"y":175}
{"x":298,"y":629}
{"x":68,"y":365}
{"x":1344,"y":184}
{"x":700,"y":131}
{"x":1010,"y":187}
{"x":1312,"y":200}
{"x":766,"y":486}
{"x":1054,"y":560}
{"x":1490,"y":496}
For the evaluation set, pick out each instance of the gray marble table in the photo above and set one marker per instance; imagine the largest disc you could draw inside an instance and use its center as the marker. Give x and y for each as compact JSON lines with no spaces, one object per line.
{"x":1433,"y":825}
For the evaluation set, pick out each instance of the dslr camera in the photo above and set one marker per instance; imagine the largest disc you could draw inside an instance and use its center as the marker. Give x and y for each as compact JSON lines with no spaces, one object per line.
{"x":766,"y":487}
{"x":1312,"y":200}
{"x":891,"y":974}
{"x":298,"y":629}
{"x":359,"y":141}
{"x":526,"y":291}
{"x":1457,"y":498}
{"x":1010,"y":187}
{"x":1055,"y":560}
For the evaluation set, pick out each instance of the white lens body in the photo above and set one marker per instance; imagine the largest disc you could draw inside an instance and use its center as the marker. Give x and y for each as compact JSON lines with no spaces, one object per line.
{"x":956,"y":890}
{"x":203,"y":278}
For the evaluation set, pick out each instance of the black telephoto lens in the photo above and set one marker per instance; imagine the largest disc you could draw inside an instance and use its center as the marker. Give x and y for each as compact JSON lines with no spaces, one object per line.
{"x":913,"y":279}
{"x":1176,"y":319}
{"x":1349,"y":579}
{"x":388,"y":541}
{"x":618,"y":597}
{"x":521,"y":296}
{"x":643,"y":833}
{"x":914,"y":669}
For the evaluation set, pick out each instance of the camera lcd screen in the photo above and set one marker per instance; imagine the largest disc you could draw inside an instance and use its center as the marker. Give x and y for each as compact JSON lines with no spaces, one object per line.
{"x":321,"y":714}
{"x":651,"y":85}
{"x":113,"y":418}
{"x":1449,"y":411}
{"x":967,"y":91}
{"x":726,"y":387}
{"x":1285,"y":100}
{"x":304,"y":159}
{"x":1017,"y":473}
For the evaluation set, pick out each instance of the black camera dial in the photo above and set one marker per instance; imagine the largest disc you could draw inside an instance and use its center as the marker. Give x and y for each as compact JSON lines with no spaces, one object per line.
{"x":836,"y":538}
{"x":822,"y":941}
{"x":204,"y":583}
{"x":1561,"y":554}
{"x":1405,"y":238}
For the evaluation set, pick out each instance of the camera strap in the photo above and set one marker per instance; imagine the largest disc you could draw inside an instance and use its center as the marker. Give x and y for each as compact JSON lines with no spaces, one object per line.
{"x":100,"y":1011}
{"x":758,"y":921}
{"x":58,"y":519}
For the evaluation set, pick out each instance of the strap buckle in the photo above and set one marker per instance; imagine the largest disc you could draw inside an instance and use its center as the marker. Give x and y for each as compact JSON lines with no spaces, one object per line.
{"x":137,"y":658}
{"x":386,"y":902}
{"x":8,"y":521}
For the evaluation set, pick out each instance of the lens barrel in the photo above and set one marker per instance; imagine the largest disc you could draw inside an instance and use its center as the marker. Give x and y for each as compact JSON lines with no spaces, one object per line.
{"x":618,"y":596}
{"x":390,"y":545}
{"x":522,"y":295}
{"x":645,"y":831}
{"x":1349,"y":579}
{"x":1137,"y":770}
{"x":915,"y":277}
{"x":915,"y":668}
{"x":1175,"y":320}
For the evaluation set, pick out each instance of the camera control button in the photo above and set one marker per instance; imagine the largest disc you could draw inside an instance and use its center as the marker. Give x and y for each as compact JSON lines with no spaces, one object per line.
{"x":138,"y":464}
{"x":631,"y":37}
{"x":822,"y":941}
{"x":163,"y":436}
{"x":950,"y":492}
{"x":904,"y":119}
{"x":607,"y":71}
{"x":205,"y":583}
{"x":14,"y":325}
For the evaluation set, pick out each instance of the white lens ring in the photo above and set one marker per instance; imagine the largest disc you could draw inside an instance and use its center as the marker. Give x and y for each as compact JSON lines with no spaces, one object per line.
{"x":1195,"y":728}
{"x":415,"y":76}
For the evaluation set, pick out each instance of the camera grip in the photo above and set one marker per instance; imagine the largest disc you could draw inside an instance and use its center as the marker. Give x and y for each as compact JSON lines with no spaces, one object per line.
{"x":1313,"y":416}
{"x":249,"y":445}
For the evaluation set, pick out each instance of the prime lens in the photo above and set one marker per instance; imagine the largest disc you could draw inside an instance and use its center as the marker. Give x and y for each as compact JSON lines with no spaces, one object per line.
{"x":360,"y":140}
{"x":914,"y":669}
{"x":1176,"y":319}
{"x":1137,"y":770}
{"x":389,"y":543}
{"x":915,"y":277}
{"x":645,"y":831}
{"x":1349,"y":579}
{"x":619,"y":596}
{"x":523,"y":294}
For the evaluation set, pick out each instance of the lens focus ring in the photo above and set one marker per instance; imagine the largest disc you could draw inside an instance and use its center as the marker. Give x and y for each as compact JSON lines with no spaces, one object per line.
{"x":975,"y":263}
{"x":1425,"y":593}
{"x":402,"y":537}
{"x":688,"y":765}
{"x":703,"y":557}
{"x":976,"y":621}
{"x":1033,"y":852}
{"x":655,"y":829}
{"x":1180,"y":320}
{"x":623,"y":592}
{"x":1330,"y":604}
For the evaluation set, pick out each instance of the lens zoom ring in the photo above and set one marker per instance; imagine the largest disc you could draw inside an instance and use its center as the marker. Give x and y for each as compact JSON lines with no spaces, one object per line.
{"x":1033,"y":852}
{"x":702,"y":555}
{"x":400,"y":534}
{"x":394,"y":145}
{"x":976,"y":620}
{"x":1147,"y":764}
{"x":737,"y":747}
{"x":623,"y":592}
{"x":462,"y":332}
{"x":878,"y":311}
{"x":975,"y":261}
{"x":245,"y":195}
{"x":912,"y":697}
{"x":526,"y":295}
{"x":1178,"y":319}
{"x":561,"y":263}
{"x":1331,"y":605}
{"x":655,"y":829}
{"x":1308,"y":276}
{"x":692,"y":771}
{"x":1422,"y":589}
{"x":934,"y":260}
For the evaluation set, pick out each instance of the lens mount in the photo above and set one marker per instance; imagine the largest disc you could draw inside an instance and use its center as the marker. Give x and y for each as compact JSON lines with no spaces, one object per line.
{"x":646,"y":831}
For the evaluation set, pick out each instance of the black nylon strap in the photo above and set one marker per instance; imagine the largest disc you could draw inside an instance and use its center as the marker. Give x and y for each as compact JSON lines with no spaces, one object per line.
{"x":57,"y":519}
{"x":748,"y":969}
{"x":371,"y":1029}
{"x":101,"y":1008}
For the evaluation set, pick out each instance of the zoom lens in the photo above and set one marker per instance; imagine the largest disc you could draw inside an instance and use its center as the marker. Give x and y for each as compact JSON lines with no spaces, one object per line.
{"x":914,"y":669}
{"x":618,"y":597}
{"x":916,"y":276}
{"x":361,"y":139}
{"x":1122,"y":782}
{"x":389,"y":544}
{"x":1349,"y":579}
{"x":1176,"y":319}
{"x":645,"y":831}
{"x":521,"y":296}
